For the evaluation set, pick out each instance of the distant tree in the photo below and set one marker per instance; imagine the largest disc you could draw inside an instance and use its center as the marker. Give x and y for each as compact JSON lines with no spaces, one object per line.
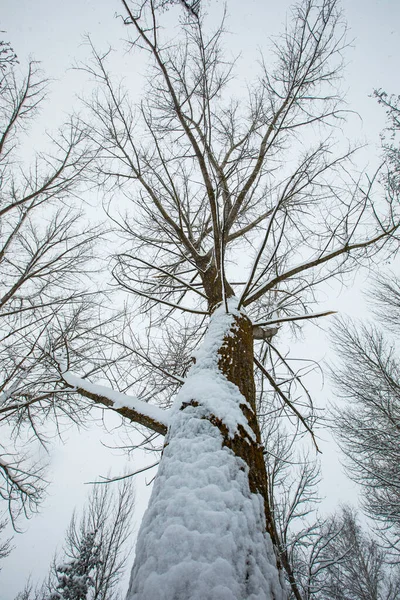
{"x":368,"y":425}
{"x":293,"y":489}
{"x":8,"y":58}
{"x":351,"y":564}
{"x":28,"y":593}
{"x":324,"y":558}
{"x":95,"y":549}
{"x":109,"y":512}
{"x":46,"y":251}
{"x":74,"y":579}
{"x":335,"y":559}
{"x":5,"y":544}
{"x":390,"y":138}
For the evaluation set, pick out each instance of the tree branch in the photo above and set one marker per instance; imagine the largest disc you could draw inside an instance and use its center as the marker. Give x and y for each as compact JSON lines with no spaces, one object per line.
{"x":129,"y":407}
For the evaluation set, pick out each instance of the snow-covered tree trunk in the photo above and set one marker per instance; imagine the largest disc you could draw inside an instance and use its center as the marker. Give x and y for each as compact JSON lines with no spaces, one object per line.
{"x":204,"y":535}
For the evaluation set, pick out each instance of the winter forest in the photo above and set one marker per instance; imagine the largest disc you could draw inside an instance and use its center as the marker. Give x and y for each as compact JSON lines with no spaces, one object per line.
{"x":199,"y":301}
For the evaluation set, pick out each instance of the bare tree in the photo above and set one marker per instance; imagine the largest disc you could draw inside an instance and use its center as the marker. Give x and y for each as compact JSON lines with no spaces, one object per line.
{"x":390,"y":138}
{"x":325,"y":558}
{"x":110,"y":515}
{"x":46,"y":250}
{"x":5,"y":544}
{"x":293,"y":498}
{"x":7,"y":55}
{"x":355,"y":566}
{"x":106,"y":524}
{"x":368,"y":427}
{"x":28,"y":593}
{"x":335,"y":559}
{"x":210,"y":179}
{"x":95,"y":549}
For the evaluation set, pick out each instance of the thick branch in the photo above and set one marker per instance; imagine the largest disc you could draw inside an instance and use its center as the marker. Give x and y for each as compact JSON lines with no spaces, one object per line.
{"x":129,"y":407}
{"x":294,"y":318}
{"x":346,"y":249}
{"x":188,"y":132}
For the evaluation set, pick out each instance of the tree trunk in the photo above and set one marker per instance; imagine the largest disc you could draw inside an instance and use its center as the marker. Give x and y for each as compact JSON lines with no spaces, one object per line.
{"x":205,"y":535}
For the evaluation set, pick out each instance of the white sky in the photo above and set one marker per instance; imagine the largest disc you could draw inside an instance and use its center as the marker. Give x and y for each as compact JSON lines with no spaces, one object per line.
{"x":52,"y":31}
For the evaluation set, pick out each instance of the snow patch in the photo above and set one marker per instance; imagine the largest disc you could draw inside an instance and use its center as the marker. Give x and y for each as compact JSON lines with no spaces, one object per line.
{"x":203,"y":535}
{"x":206,"y":385}
{"x":119,"y":399}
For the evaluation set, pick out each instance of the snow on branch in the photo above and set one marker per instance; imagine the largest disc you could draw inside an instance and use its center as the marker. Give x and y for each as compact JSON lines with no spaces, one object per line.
{"x":129,"y":407}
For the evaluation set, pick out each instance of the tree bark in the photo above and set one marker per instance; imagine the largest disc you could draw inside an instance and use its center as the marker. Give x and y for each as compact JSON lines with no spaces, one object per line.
{"x":236,"y":360}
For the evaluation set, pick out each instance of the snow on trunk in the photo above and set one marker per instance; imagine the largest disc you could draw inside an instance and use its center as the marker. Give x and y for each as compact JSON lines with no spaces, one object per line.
{"x":203,"y":535}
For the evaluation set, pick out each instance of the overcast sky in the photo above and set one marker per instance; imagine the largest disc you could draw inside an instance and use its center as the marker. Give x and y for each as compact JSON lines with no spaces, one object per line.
{"x":52,"y":31}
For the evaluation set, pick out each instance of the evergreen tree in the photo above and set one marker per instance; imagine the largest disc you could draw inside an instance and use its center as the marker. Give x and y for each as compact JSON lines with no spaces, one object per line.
{"x":74,"y":577}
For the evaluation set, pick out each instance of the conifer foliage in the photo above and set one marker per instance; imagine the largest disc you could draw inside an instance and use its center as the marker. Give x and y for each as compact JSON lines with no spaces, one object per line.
{"x":74,"y":576}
